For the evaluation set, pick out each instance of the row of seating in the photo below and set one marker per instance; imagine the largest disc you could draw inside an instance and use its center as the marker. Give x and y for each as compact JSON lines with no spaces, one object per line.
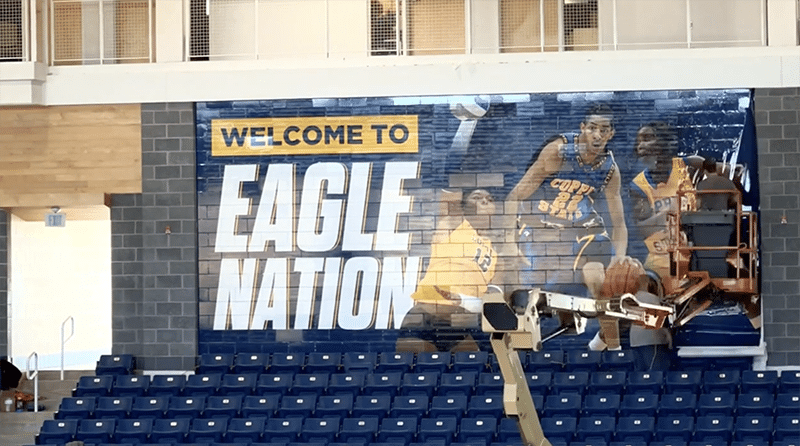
{"x":435,"y":382}
{"x":590,"y":442}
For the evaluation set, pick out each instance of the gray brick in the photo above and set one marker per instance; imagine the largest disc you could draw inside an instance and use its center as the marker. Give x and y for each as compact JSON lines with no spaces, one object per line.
{"x":783,"y":145}
{"x":783,"y":117}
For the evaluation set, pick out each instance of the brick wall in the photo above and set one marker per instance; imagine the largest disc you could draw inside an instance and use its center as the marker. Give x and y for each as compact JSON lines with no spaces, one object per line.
{"x":155,"y":272}
{"x":778,"y":132}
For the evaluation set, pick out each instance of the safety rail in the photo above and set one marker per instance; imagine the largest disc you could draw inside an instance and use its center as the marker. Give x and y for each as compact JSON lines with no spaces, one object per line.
{"x":35,"y":377}
{"x":64,"y":340}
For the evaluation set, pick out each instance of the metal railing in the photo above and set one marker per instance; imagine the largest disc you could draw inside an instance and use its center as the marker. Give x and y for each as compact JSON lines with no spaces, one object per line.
{"x":65,"y":339}
{"x":35,"y":377}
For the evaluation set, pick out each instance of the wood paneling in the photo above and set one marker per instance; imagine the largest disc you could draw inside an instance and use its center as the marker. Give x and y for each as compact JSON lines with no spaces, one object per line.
{"x":68,"y":156}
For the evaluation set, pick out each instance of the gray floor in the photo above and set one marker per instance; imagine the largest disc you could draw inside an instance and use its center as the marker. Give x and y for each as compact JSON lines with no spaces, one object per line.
{"x":20,"y":428}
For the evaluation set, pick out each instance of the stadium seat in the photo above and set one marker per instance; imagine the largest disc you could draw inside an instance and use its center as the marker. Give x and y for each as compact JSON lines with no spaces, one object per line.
{"x":570,"y":382}
{"x":600,"y":404}
{"x":470,"y":361}
{"x":457,"y":382}
{"x":756,"y":402}
{"x":765,"y":381}
{"x":359,"y":430}
{"x":363,"y":361}
{"x":508,"y":430}
{"x":57,"y":431}
{"x":477,"y":428}
{"x":413,"y":405}
{"x":635,"y":428}
{"x":387,"y":383}
{"x":223,"y":406}
{"x":214,"y":363}
{"x":377,"y":405}
{"x":616,"y":360}
{"x":170,"y":430}
{"x":282,"y":429}
{"x":716,"y":404}
{"x":419,"y":383}
{"x":545,"y":361}
{"x":260,"y":405}
{"x":149,"y":407}
{"x":485,"y":405}
{"x":309,"y":383}
{"x":713,"y":426}
{"x":398,"y":429}
{"x":787,"y":404}
{"x":317,"y":362}
{"x":582,"y":360}
{"x":595,"y":426}
{"x":238,"y":384}
{"x":433,"y":362}
{"x":674,"y":427}
{"x":789,"y":381}
{"x":166,"y":385}
{"x":638,"y":404}
{"x":749,"y":427}
{"x":338,"y":405}
{"x":348,"y":382}
{"x":559,"y":427}
{"x":684,"y":381}
{"x":94,"y":386}
{"x":566,"y":404}
{"x":130,"y":385}
{"x":113,"y":407}
{"x":609,"y":382}
{"x":245,"y":430}
{"x":489,"y":382}
{"x":271,"y":383}
{"x":437,"y":429}
{"x":202,"y":385}
{"x":133,"y":431}
{"x":286,"y":362}
{"x":297,"y":405}
{"x":114,"y":365}
{"x":207,"y":430}
{"x":76,"y":408}
{"x":644,"y":382}
{"x":539,"y":382}
{"x":185,"y":406}
{"x":320,"y":429}
{"x":677,"y":404}
{"x":787,"y":428}
{"x":250,"y":363}
{"x":449,"y":406}
{"x":395,"y":362}
{"x":721,"y":381}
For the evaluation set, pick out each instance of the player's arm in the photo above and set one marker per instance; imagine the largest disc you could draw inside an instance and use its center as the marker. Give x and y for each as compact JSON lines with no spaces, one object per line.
{"x":548,"y":162}
{"x":647,"y":221}
{"x":619,"y":233}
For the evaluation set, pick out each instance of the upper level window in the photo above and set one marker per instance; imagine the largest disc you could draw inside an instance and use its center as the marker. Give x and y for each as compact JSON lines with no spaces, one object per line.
{"x":11,"y":31}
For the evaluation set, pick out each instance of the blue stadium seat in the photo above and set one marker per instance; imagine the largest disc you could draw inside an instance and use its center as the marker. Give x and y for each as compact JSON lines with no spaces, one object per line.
{"x":621,"y":360}
{"x":413,"y":405}
{"x":485,"y":405}
{"x":644,"y":382}
{"x":582,"y":360}
{"x":565,"y":404}
{"x":787,"y":427}
{"x":166,"y":385}
{"x":238,"y":384}
{"x":130,"y":385}
{"x":716,"y":404}
{"x":489,"y":382}
{"x":570,"y":382}
{"x":477,"y":428}
{"x":684,"y":380}
{"x":339,"y":405}
{"x":756,"y":402}
{"x":787,"y":404}
{"x":433,"y":361}
{"x":559,"y":427}
{"x":677,"y":403}
{"x":713,"y":441}
{"x":323,"y":362}
{"x":167,"y":430}
{"x":214,"y":363}
{"x":669,"y":443}
{"x":721,"y":381}
{"x":287,"y":362}
{"x":94,"y":386}
{"x":600,"y":404}
{"x":449,"y":406}
{"x":260,"y":405}
{"x":633,"y":442}
{"x":364,"y":361}
{"x":419,"y":383}
{"x":113,"y":407}
{"x":282,"y":429}
{"x":786,"y":442}
{"x":675,"y":427}
{"x":750,"y":427}
{"x":638,"y":404}
{"x":765,"y":381}
{"x":149,"y":407}
{"x":223,"y":406}
{"x":377,"y":405}
{"x":349,"y":382}
{"x":310,"y":383}
{"x":272,"y":383}
{"x":457,"y":382}
{"x":207,"y":430}
{"x":708,"y":427}
{"x":395,"y":362}
{"x":320,"y":429}
{"x":115,"y":365}
{"x":387,"y":383}
{"x":245,"y":430}
{"x":76,"y":408}
{"x":251,"y":363}
{"x":539,"y":382}
{"x":470,"y":361}
{"x":57,"y":431}
{"x":359,"y":430}
{"x":297,"y":405}
{"x":130,"y":430}
{"x":607,"y":381}
{"x":185,"y":406}
{"x":508,"y":430}
{"x":596,"y":426}
{"x":545,"y":361}
{"x":202,"y":385}
{"x":789,"y":381}
{"x":398,"y":429}
{"x":635,"y":428}
{"x":437,"y":429}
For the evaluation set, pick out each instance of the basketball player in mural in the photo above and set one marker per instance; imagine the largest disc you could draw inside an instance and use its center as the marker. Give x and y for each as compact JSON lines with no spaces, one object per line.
{"x":561,"y":229}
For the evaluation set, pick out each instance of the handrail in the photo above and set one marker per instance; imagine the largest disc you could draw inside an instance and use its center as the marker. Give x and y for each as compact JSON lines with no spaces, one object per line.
{"x":64,"y":341}
{"x":35,"y":377}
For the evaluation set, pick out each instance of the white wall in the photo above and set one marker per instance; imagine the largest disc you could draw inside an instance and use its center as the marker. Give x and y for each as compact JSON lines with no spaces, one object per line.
{"x":56,"y":273}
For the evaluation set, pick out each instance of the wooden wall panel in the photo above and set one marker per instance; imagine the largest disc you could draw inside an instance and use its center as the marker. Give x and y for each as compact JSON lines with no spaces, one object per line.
{"x":68,"y":156}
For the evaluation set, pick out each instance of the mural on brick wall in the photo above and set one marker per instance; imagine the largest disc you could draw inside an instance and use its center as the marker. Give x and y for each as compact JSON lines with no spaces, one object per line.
{"x":400,"y":214}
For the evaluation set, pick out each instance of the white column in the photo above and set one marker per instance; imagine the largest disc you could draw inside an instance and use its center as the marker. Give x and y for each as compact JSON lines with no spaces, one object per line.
{"x":782,"y":22}
{"x":169,"y":26}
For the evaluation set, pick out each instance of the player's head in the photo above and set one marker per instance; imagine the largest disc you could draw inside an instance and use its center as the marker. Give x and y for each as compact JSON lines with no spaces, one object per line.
{"x":656,"y":142}
{"x":597,"y":127}
{"x":478,"y":202}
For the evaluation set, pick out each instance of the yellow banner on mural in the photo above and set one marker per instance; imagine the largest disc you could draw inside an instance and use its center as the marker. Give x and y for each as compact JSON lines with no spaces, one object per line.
{"x":322,"y":135}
